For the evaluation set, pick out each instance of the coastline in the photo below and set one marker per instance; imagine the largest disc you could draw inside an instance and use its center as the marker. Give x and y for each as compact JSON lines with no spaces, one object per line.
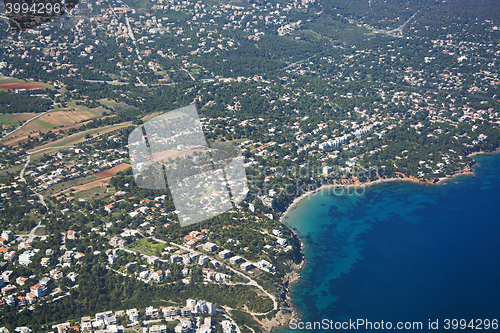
{"x":294,"y":276}
{"x":369,"y":183}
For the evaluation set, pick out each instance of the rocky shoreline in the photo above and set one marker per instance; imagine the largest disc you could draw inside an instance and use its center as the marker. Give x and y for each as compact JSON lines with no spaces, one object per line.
{"x":287,"y":310}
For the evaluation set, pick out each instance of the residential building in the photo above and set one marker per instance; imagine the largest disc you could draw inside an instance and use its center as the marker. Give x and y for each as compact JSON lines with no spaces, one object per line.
{"x":224,"y":254}
{"x":10,"y":300}
{"x":169,"y":311}
{"x":7,"y":275}
{"x":151,"y":312}
{"x":246,"y":266}
{"x":25,"y":258}
{"x":152,"y":260}
{"x":117,"y":241}
{"x":157,"y":276}
{"x":86,"y":324}
{"x":20,"y":280}
{"x":45,"y":280}
{"x":9,"y":289}
{"x":175,"y":258}
{"x":227,"y":326}
{"x":112,"y":258}
{"x":184,"y":326}
{"x":115,"y":329}
{"x":158,"y":329}
{"x":132,"y":314}
{"x":39,"y":290}
{"x":235,"y":260}
{"x":7,"y":234}
{"x":202,"y":260}
{"x":97,"y":324}
{"x":30,"y":297}
{"x":210,"y":247}
{"x":186,"y":311}
{"x":57,"y":275}
{"x":10,"y":256}
{"x":111,"y":320}
{"x":72,"y":277}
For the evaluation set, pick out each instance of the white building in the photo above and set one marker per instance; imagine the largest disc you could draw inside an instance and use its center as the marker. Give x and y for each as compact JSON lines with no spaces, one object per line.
{"x":202,"y":260}
{"x":132,"y":314}
{"x":224,"y":254}
{"x":210,"y":247}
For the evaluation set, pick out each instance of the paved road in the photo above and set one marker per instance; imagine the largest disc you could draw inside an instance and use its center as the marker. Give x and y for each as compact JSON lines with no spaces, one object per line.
{"x":251,"y":282}
{"x":27,"y":121}
{"x":28,"y":158}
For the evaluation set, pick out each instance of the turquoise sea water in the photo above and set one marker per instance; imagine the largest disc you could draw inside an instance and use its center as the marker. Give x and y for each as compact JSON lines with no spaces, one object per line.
{"x":403,"y":252}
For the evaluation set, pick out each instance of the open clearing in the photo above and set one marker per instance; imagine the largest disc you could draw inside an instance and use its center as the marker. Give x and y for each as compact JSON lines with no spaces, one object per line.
{"x":113,"y":171}
{"x":92,"y":187}
{"x":91,"y":192}
{"x":148,"y":248}
{"x":119,"y":107}
{"x":13,"y":119}
{"x":61,"y":187}
{"x":23,"y":85}
{"x":61,"y":120}
{"x":163,"y":156}
{"x":86,"y":190}
{"x":76,"y":138}
{"x":74,"y":116}
{"x":64,"y":118}
{"x":91,"y":113}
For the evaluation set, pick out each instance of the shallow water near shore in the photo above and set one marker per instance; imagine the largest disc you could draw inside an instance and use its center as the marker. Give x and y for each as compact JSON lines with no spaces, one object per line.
{"x":402,"y":252}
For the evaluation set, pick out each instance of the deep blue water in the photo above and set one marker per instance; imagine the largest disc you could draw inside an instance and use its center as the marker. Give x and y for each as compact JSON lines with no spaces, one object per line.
{"x":403,"y":252}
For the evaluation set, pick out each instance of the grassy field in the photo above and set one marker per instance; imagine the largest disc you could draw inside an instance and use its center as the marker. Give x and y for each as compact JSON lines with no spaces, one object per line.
{"x":6,"y":79}
{"x":90,"y":193}
{"x":15,"y":169}
{"x":143,"y":246}
{"x":40,"y":231}
{"x":119,"y":107}
{"x":66,"y":118}
{"x":89,"y":113}
{"x":53,"y":190}
{"x":13,"y":119}
{"x":73,"y":139}
{"x":43,"y":124}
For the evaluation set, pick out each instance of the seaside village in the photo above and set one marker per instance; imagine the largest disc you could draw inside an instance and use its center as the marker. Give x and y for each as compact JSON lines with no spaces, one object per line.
{"x":188,"y":319}
{"x":58,"y":278}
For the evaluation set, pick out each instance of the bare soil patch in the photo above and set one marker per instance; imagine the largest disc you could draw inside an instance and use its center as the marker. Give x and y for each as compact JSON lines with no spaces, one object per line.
{"x":63,"y":118}
{"x":113,"y":171}
{"x":84,"y":187}
{"x":21,"y":85}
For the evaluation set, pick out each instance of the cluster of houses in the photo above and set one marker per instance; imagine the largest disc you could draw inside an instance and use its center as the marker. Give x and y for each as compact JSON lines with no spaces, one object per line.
{"x":9,"y":283}
{"x":66,"y":166}
{"x":107,"y":321}
{"x":10,"y":294}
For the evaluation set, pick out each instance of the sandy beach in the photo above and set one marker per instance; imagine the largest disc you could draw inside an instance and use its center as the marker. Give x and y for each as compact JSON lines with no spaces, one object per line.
{"x":326,"y":188}
{"x":294,"y":276}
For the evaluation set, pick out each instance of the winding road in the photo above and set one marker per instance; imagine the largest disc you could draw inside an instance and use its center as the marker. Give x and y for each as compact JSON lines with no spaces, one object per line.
{"x":251,"y":282}
{"x":20,"y":126}
{"x":28,"y":158}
